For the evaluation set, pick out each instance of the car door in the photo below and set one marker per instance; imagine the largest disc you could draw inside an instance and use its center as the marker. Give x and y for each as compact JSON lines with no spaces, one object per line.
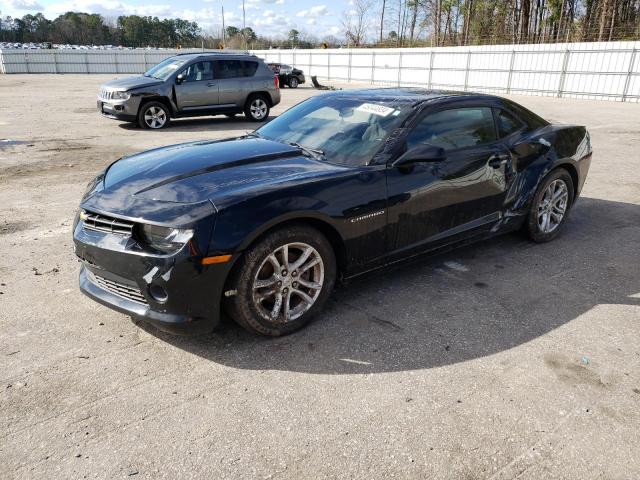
{"x":436,"y":202}
{"x":235,"y":81}
{"x":198,"y":89}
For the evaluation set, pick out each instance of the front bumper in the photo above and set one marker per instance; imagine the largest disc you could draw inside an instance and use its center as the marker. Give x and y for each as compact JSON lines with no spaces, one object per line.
{"x":129,"y":283}
{"x":126,"y":110}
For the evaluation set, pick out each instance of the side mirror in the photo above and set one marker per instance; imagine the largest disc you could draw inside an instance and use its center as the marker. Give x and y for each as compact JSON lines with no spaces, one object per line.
{"x":180,"y":78}
{"x":422,"y":153}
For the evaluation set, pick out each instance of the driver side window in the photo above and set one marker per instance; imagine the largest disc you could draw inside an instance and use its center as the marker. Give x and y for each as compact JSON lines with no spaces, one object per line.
{"x":198,"y":71}
{"x":454,"y":128}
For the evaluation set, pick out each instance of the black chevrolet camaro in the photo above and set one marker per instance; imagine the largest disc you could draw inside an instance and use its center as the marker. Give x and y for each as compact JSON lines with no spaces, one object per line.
{"x":262,"y":226}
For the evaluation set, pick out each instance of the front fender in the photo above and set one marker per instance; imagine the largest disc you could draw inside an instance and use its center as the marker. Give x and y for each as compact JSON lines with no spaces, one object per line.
{"x":157,"y":92}
{"x":302,"y":216}
{"x":241,"y":224}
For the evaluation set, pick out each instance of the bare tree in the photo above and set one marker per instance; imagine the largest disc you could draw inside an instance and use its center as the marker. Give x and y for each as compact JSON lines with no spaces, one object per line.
{"x":413,"y":5}
{"x":355,"y":22}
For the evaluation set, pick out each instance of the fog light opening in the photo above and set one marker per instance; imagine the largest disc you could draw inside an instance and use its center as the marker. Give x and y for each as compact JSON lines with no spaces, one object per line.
{"x":158,"y":293}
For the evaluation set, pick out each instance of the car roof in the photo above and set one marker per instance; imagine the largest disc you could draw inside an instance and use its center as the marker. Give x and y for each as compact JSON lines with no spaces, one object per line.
{"x":193,"y":56}
{"x":410,"y":95}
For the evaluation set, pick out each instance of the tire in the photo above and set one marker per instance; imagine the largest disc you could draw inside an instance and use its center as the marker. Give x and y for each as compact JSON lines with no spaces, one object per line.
{"x":154,"y":113}
{"x":546,"y":219}
{"x":253,"y":305}
{"x":257,"y":108}
{"x":293,"y":82}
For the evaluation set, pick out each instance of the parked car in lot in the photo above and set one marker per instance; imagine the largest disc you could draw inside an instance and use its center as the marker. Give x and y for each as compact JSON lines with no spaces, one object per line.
{"x":288,"y":75}
{"x":264,"y":224}
{"x":192,"y":85}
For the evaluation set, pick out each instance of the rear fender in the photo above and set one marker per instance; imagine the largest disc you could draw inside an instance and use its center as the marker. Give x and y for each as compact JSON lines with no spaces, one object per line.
{"x":566,"y":146}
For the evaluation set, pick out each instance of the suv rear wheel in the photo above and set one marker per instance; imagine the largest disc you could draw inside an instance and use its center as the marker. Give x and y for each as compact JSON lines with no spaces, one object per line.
{"x":257,"y":108}
{"x":153,"y":115}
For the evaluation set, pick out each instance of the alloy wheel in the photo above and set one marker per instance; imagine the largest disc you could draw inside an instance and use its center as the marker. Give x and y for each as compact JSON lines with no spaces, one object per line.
{"x":288,"y":282}
{"x":155,"y":117}
{"x":553,"y":206}
{"x":258,"y":108}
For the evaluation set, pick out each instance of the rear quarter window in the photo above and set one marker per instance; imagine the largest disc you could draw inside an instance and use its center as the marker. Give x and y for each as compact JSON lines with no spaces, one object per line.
{"x":532,"y":120}
{"x":249,"y":68}
{"x":507,"y":123}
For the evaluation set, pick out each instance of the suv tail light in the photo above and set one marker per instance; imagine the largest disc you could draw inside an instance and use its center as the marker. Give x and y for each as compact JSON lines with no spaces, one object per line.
{"x":276,"y":82}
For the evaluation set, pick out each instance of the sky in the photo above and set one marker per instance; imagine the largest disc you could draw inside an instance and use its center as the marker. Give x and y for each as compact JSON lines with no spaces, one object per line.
{"x":266,"y":17}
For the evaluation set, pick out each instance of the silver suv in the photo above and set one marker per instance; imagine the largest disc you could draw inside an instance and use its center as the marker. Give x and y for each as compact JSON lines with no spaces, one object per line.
{"x":190,"y":85}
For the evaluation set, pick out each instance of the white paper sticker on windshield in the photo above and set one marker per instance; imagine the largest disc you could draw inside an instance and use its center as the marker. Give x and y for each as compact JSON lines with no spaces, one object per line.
{"x":379,"y":110}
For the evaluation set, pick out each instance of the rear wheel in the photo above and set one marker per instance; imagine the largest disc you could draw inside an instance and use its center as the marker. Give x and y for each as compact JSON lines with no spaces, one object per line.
{"x":282,"y":281}
{"x":257,"y":108}
{"x":153,"y":115}
{"x":550,"y":206}
{"x":293,"y":82}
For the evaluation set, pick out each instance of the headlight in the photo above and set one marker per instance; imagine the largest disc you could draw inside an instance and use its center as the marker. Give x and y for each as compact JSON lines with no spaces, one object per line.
{"x":92,"y":185}
{"x":120,"y":95}
{"x":165,"y":239}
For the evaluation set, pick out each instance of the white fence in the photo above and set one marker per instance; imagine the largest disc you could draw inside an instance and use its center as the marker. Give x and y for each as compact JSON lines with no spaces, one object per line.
{"x":81,"y":61}
{"x":603,"y":70}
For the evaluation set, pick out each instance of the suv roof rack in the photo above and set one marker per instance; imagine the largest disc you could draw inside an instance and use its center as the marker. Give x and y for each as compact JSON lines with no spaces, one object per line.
{"x":216,"y":52}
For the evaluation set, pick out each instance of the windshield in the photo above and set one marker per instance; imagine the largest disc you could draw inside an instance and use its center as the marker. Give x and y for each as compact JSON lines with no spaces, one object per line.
{"x":349,"y":131}
{"x":165,"y":69}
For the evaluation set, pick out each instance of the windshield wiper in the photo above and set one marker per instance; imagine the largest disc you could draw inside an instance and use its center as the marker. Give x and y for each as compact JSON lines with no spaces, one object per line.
{"x":312,"y":152}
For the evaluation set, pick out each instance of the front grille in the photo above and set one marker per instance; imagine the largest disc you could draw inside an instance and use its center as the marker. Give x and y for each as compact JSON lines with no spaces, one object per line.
{"x":104,"y":223}
{"x":117,"y":288}
{"x":106,"y":94}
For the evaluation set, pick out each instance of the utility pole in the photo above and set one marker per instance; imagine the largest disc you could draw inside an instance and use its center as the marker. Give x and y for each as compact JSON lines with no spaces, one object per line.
{"x":244,"y":27}
{"x":224,"y":34}
{"x":384,"y":2}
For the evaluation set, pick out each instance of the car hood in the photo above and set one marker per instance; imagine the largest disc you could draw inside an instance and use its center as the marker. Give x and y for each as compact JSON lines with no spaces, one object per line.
{"x":127,"y":83}
{"x":215,"y":172}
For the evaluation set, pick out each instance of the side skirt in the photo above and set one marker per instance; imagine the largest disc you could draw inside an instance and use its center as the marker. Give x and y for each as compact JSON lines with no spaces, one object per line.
{"x":453,"y":238}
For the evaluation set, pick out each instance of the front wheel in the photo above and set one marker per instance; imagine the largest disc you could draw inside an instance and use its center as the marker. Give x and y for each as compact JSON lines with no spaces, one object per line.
{"x":282,"y":281}
{"x":153,"y":115}
{"x":257,"y":108}
{"x":550,"y":206}
{"x":293,"y":82}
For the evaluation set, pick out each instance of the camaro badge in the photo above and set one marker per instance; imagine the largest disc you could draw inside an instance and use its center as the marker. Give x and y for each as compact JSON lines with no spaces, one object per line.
{"x":367,"y":216}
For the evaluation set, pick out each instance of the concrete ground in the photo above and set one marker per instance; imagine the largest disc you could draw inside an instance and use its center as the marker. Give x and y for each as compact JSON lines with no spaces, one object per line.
{"x":501,"y":360}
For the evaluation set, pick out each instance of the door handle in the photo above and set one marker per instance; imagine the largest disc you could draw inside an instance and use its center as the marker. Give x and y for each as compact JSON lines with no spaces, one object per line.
{"x":497,"y":160}
{"x":211,"y":84}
